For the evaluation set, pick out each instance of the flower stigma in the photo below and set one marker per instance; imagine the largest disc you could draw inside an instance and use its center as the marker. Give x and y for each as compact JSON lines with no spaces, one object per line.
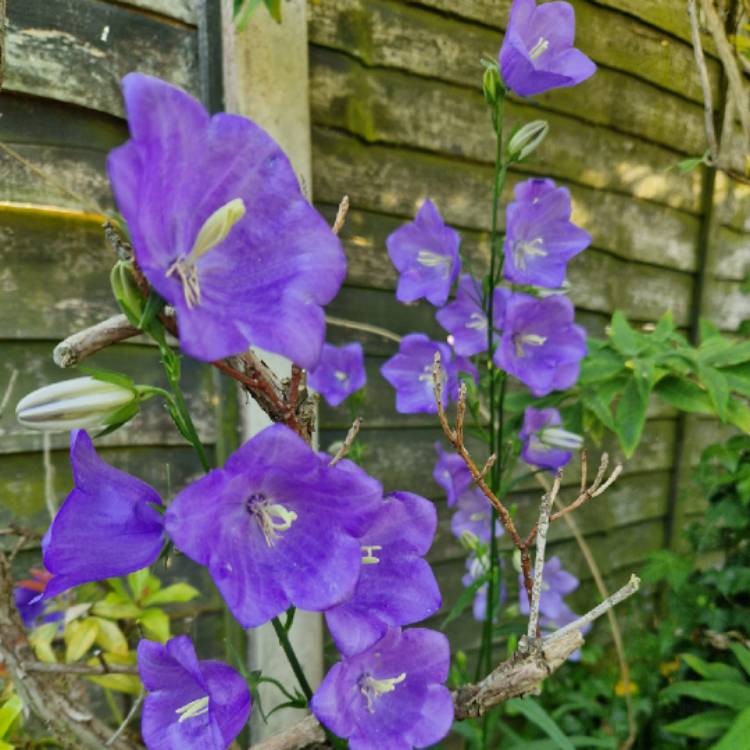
{"x":530,"y":339}
{"x":369,"y":558}
{"x":372,"y":689}
{"x":428,"y":259}
{"x":477,"y":321}
{"x":523,"y":250}
{"x":198,"y":707}
{"x":214,"y":230}
{"x":273,"y":518}
{"x":539,"y":48}
{"x":341,"y":376}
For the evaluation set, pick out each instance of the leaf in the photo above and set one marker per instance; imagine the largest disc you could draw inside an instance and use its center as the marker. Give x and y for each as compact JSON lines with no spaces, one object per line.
{"x":743,"y":656}
{"x":665,"y":565}
{"x":9,"y":712}
{"x":703,"y":726}
{"x":537,"y":715}
{"x":739,"y":414}
{"x":631,"y":416}
{"x":154,"y":305}
{"x":122,"y":683}
{"x":79,"y":638}
{"x":601,"y":364}
{"x":683,"y":395}
{"x":734,"y":353}
{"x":738,"y":736}
{"x":115,"y":609}
{"x":109,"y":376}
{"x":177,"y":592}
{"x":465,"y":599}
{"x":718,"y":390}
{"x":138,"y":581}
{"x":110,"y":637}
{"x":155,"y":623}
{"x":711,"y":691}
{"x":712,"y":670}
{"x":41,"y":641}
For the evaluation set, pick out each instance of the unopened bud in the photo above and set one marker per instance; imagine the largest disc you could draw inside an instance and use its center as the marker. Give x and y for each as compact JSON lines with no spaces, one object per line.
{"x":469,"y":540}
{"x":556,"y":437}
{"x":73,"y":404}
{"x":527,"y":139}
{"x":126,"y":291}
{"x":491,"y":84}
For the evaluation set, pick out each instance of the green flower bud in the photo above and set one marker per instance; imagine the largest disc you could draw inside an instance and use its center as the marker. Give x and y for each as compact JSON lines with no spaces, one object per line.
{"x":126,"y":291}
{"x":78,"y":403}
{"x":527,"y":139}
{"x":490,"y":84}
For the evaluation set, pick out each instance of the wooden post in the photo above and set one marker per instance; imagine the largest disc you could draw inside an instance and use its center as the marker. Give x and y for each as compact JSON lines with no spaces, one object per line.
{"x":266,"y":79}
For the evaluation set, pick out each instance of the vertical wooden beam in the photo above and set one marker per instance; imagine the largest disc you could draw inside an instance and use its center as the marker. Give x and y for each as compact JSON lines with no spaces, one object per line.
{"x":266,"y":79}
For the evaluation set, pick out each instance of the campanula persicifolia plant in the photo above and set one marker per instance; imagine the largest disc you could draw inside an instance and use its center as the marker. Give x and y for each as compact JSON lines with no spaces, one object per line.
{"x":239,"y":259}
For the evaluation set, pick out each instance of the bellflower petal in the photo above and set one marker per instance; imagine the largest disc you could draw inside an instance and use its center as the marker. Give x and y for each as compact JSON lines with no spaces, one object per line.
{"x":339,"y":373}
{"x":540,"y":238}
{"x":106,"y":527}
{"x":556,"y":584}
{"x":541,"y":345}
{"x":537,"y":54}
{"x":473,"y":515}
{"x":191,"y":704}
{"x":410,"y":373}
{"x":451,"y":473}
{"x":276,"y":526}
{"x":396,"y":586}
{"x":391,"y":695}
{"x":536,"y":451}
{"x":425,"y":253}
{"x":221,"y":229}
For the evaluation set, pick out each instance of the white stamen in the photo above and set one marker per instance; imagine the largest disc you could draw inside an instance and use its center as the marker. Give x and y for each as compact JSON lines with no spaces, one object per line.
{"x":341,"y":376}
{"x":369,"y":558}
{"x":372,"y":689}
{"x":428,"y":259}
{"x":477,"y":321}
{"x":531,"y":339}
{"x":198,"y":707}
{"x":273,"y":518}
{"x":539,"y":48}
{"x":523,"y":250}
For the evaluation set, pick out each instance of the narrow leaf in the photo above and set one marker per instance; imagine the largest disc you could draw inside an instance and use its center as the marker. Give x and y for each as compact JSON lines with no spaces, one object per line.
{"x":537,"y":715}
{"x":703,"y":726}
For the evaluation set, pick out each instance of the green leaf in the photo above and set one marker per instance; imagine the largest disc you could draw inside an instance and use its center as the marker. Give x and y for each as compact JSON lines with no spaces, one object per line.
{"x":711,"y":691}
{"x":138,"y":581}
{"x":115,"y":609}
{"x":465,"y":599}
{"x":601,"y":364}
{"x":9,"y":712}
{"x":154,"y":305}
{"x":155,"y":623}
{"x":683,"y":395}
{"x":712,"y":670}
{"x":177,"y":592}
{"x":537,"y":715}
{"x":718,"y":390}
{"x":625,"y":339}
{"x":631,"y":416}
{"x":110,"y":637}
{"x":703,"y":726}
{"x":738,"y":736}
{"x":109,"y":376}
{"x":739,"y":414}
{"x":79,"y":638}
{"x":743,"y":656}
{"x":665,"y":565}
{"x":732,"y":353}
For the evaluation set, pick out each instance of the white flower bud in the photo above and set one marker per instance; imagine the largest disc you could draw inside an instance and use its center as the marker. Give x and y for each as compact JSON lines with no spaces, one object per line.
{"x":527,"y":139}
{"x":556,"y":437}
{"x":73,"y":404}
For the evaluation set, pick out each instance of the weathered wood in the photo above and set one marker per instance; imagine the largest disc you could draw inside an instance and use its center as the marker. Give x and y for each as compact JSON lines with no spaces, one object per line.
{"x":32,"y":361}
{"x":391,"y":180}
{"x":182,"y":10}
{"x":389,"y":35}
{"x":77,"y":51}
{"x":393,"y":107}
{"x":731,"y":259}
{"x":727,"y":305}
{"x":610,"y":39}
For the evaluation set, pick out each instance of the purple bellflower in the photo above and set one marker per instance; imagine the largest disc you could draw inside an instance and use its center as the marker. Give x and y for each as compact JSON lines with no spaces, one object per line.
{"x":537,"y":54}
{"x":391,"y":695}
{"x":425,"y":253}
{"x":221,"y":229}
{"x":465,"y":319}
{"x":107,"y":527}
{"x":545,"y":443}
{"x":473,"y":515}
{"x":191,"y":704}
{"x":339,"y":372}
{"x":477,"y":566}
{"x":451,"y":473}
{"x":276,"y":526}
{"x":396,"y":585}
{"x":540,"y":239}
{"x":556,"y":584}
{"x":27,"y":595}
{"x":410,"y":373}
{"x":541,"y":345}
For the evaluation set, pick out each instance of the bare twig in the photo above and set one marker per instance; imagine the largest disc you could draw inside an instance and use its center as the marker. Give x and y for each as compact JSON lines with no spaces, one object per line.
{"x":122,"y":248}
{"x":82,"y":670}
{"x":351,"y":436}
{"x":355,"y":325}
{"x":130,"y":715}
{"x":79,"y":346}
{"x":700,"y":61}
{"x":8,"y":391}
{"x":49,"y":476}
{"x":488,"y":464}
{"x":338,"y":224}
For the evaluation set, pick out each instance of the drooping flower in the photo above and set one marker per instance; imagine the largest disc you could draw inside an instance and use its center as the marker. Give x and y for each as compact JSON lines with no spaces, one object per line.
{"x":540,"y":239}
{"x":537,"y":54}
{"x":544,"y":442}
{"x":339,"y":372}
{"x":107,"y":527}
{"x":391,"y":695}
{"x":425,"y":253}
{"x":276,"y":526}
{"x":473,"y":515}
{"x":396,"y":585}
{"x":191,"y":704}
{"x":556,"y":584}
{"x":410,"y":373}
{"x":27,"y":595}
{"x":451,"y":473}
{"x":541,"y":345}
{"x":465,"y":318}
{"x":221,"y":229}
{"x":74,"y":404}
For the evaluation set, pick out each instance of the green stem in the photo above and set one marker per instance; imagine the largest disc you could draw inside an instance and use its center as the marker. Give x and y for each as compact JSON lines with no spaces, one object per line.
{"x":286,"y":645}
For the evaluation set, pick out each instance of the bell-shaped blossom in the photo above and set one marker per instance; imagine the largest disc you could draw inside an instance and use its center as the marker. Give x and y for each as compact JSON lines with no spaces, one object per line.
{"x":465,"y":318}
{"x":541,"y":345}
{"x":540,"y":239}
{"x":477,"y":566}
{"x":474,"y":515}
{"x":425,"y":253}
{"x":276,"y":526}
{"x":221,"y":228}
{"x":557,"y":583}
{"x":190,"y":704}
{"x":339,"y":372}
{"x":545,"y":443}
{"x":396,"y":585}
{"x":410,"y":373}
{"x":27,"y":596}
{"x":108,"y":526}
{"x":538,"y":53}
{"x":451,"y":473}
{"x":390,"y":696}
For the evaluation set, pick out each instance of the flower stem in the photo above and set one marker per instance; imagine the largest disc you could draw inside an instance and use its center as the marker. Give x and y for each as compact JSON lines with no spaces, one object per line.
{"x":288,"y":649}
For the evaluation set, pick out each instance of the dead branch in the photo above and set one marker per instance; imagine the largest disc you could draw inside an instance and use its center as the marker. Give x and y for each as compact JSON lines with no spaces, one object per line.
{"x":351,"y":436}
{"x":83,"y":344}
{"x":700,"y":61}
{"x":338,"y":224}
